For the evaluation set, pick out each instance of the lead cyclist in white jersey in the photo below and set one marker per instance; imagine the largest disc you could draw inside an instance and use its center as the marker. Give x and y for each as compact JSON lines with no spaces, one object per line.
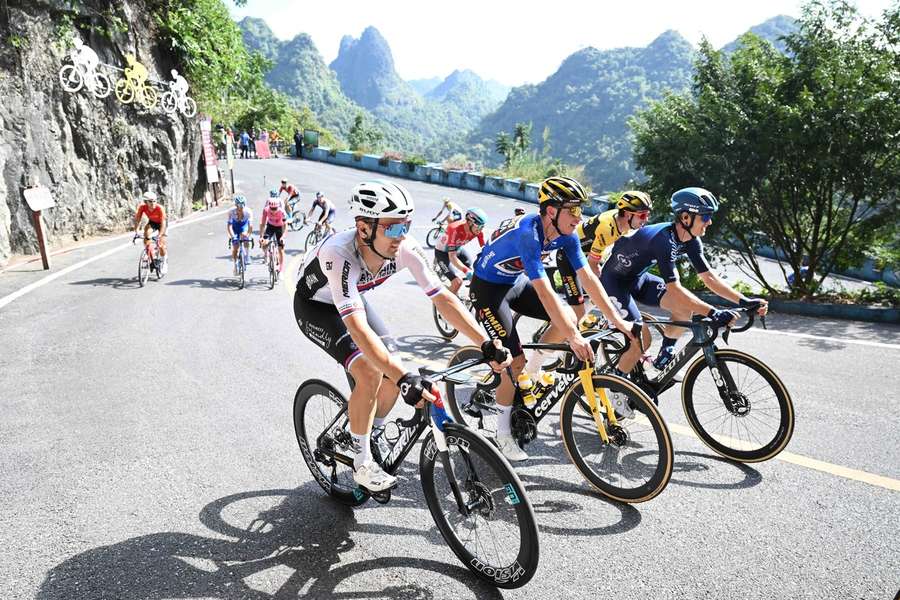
{"x":331,"y":312}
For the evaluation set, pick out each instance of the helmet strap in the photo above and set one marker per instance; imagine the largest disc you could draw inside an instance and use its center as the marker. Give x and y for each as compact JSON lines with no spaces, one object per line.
{"x":369,"y":240}
{"x":687,"y":229}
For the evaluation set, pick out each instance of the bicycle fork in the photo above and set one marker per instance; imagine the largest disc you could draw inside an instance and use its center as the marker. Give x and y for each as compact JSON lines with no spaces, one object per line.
{"x":735,"y":404}
{"x":587,"y":383}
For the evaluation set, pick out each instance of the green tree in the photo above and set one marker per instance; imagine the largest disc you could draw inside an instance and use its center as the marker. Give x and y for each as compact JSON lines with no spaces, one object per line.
{"x":362,"y":136}
{"x":504,"y":147}
{"x":803,"y":149}
{"x":522,"y":138}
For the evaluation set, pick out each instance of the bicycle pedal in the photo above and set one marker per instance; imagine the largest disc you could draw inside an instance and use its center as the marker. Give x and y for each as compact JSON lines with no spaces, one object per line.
{"x":382,"y":497}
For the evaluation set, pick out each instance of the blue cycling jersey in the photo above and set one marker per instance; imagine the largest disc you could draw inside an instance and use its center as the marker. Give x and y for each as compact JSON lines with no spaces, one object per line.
{"x":632,"y":255}
{"x":238,"y":225}
{"x":517,"y":245}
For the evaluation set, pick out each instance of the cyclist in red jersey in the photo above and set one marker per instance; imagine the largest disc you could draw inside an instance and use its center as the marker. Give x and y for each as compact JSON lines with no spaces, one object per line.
{"x":293,"y":196}
{"x":156,"y":221}
{"x":449,"y":251}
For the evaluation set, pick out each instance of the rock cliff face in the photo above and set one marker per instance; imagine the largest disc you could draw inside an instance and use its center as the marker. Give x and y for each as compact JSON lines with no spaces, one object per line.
{"x":96,"y":156}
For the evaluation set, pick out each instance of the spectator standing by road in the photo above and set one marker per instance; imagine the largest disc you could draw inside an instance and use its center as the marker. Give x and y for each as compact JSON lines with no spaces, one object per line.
{"x":245,"y":144}
{"x":298,"y":143}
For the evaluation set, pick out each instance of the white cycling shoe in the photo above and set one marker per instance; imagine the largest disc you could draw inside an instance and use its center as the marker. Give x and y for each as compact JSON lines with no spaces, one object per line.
{"x":372,"y":477}
{"x":510,"y":449}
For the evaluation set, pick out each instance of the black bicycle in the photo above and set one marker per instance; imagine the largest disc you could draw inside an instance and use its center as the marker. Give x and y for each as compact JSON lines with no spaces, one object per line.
{"x":474,"y":496}
{"x":734,"y":403}
{"x":612,"y":431}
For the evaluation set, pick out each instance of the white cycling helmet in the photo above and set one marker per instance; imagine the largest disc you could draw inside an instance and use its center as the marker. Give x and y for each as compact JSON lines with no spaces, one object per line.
{"x":149,"y":196}
{"x":381,"y":200}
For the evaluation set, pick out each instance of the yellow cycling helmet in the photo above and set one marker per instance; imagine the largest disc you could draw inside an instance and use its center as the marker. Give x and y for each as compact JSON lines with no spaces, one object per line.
{"x":634,"y":201}
{"x":561,"y":191}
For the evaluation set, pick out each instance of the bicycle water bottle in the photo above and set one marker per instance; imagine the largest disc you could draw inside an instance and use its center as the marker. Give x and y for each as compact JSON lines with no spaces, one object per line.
{"x":526,"y":387}
{"x":588,"y":321}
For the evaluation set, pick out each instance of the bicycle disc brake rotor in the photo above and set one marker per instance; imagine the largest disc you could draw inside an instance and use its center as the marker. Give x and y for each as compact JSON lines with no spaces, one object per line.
{"x":738,"y":404}
{"x":479,"y":498}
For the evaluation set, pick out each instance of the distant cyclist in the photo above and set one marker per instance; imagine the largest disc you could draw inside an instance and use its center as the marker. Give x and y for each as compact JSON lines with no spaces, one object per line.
{"x":332,"y":313}
{"x":272,"y":224}
{"x":597,"y":235}
{"x":519,"y":211}
{"x":156,"y":221}
{"x":328,"y":212}
{"x":239,"y":227}
{"x":293,"y":196}
{"x":454,"y":212}
{"x":452,"y":259}
{"x":626,"y":279}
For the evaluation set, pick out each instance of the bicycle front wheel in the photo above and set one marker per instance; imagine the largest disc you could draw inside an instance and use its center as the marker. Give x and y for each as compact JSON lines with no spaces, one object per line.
{"x":143,"y":268}
{"x":756,"y":419}
{"x":447,"y":331}
{"x":70,"y":78}
{"x":124,"y":91}
{"x":242,"y":272}
{"x":311,"y":240}
{"x":493,"y":530}
{"x":272,"y":272}
{"x":322,"y":427}
{"x":432,"y":237}
{"x":635,"y":463}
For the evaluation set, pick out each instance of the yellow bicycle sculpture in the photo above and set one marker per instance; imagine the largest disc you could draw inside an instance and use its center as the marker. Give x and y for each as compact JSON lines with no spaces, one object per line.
{"x":134,"y":86}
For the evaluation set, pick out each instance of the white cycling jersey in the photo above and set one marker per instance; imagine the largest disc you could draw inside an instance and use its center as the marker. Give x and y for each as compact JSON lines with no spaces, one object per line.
{"x":335,"y":273}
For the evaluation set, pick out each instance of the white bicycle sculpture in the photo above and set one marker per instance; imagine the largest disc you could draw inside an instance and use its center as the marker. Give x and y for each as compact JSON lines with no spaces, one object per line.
{"x":73,"y":77}
{"x":171,"y":102}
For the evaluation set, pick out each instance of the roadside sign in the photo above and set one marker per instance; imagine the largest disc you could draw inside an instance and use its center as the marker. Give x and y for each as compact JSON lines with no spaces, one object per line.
{"x":209,"y":152}
{"x":39,"y":198}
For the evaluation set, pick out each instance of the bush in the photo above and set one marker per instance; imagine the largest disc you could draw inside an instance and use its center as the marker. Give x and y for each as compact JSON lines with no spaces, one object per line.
{"x":457,"y":162}
{"x":413,"y":161}
{"x":357,"y":156}
{"x":388,"y":156}
{"x":332,"y":152}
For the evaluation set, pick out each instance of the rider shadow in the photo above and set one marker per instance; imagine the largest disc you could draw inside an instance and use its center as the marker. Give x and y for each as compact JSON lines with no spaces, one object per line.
{"x":219,"y":283}
{"x":430,"y":347}
{"x":683,"y":469}
{"x":274,"y":555}
{"x":821,"y":345}
{"x":117,"y":283}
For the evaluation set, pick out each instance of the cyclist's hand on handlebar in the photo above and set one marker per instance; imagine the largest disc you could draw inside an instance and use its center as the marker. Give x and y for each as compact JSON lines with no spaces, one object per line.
{"x":722,"y":318}
{"x":496,"y":355}
{"x":626,"y":327}
{"x":762,"y":306}
{"x":415,"y":390}
{"x":581,"y":347}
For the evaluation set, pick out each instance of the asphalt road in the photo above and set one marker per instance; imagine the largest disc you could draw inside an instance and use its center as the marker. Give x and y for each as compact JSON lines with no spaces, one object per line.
{"x":147,"y":450}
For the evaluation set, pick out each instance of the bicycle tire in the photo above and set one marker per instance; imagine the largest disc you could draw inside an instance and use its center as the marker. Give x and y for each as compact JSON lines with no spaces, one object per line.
{"x":311,"y":240}
{"x":307,"y":421}
{"x":149,"y":97}
{"x":124,"y":91}
{"x":189,"y":109}
{"x":447,"y":331}
{"x":143,"y":268}
{"x":460,"y":397}
{"x":645,"y":432}
{"x":70,"y":78}
{"x":242,"y":271}
{"x":724,"y":444}
{"x":432,"y":236}
{"x":168,"y":102}
{"x":484,"y":477}
{"x":102,"y":85}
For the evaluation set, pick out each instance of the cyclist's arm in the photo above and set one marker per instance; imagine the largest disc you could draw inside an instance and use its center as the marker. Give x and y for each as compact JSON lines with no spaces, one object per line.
{"x":683,"y":299}
{"x":137,"y":218}
{"x":372,"y":347}
{"x":454,"y":260}
{"x":229,"y":230}
{"x":164,"y":223}
{"x":594,"y":263}
{"x":262,"y":222}
{"x":717,"y":286}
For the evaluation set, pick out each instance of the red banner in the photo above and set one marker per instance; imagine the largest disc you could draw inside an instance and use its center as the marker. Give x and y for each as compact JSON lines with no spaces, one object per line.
{"x":209,"y":151}
{"x":262,"y":149}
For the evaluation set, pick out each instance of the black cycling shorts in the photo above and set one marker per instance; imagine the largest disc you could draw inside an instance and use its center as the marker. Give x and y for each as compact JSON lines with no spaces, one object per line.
{"x":572,"y":289}
{"x":322,"y":324}
{"x":154,"y":225}
{"x":626,"y":293}
{"x":275,"y":231}
{"x":494,"y":304}
{"x":445,"y":267}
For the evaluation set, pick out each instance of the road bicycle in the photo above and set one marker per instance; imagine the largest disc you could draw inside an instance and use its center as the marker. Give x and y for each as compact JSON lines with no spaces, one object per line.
{"x":73,"y":77}
{"x":243,"y":258}
{"x":298,"y":217}
{"x":612,"y":431}
{"x":128,"y":91}
{"x":149,"y":260}
{"x":435,"y":233}
{"x":270,"y":257}
{"x":474,"y":496}
{"x":171,"y":102}
{"x":320,"y":232}
{"x":734,"y":403}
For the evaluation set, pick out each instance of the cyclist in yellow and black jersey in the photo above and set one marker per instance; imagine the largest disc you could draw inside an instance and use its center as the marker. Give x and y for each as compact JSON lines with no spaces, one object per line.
{"x":597,"y":234}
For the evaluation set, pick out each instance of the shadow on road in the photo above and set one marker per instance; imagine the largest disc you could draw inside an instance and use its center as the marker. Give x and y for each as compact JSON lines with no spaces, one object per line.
{"x":272,"y":552}
{"x":690,"y":464}
{"x":117,"y":283}
{"x":431,"y":347}
{"x":224,"y":284}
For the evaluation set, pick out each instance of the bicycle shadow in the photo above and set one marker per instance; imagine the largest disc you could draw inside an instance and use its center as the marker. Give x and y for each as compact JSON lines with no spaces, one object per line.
{"x":116,"y":283}
{"x":275,"y":554}
{"x":682,"y":468}
{"x":430,"y":347}
{"x":222,"y":284}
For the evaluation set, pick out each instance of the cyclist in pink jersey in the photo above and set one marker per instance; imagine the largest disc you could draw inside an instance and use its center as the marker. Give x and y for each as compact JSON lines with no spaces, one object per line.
{"x":273,"y":224}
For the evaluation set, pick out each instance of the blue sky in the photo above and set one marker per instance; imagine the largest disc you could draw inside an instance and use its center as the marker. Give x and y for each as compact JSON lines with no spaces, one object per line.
{"x":513,"y":42}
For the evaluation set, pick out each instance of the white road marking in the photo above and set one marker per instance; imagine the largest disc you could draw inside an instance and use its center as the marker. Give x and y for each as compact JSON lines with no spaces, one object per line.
{"x":44,"y":281}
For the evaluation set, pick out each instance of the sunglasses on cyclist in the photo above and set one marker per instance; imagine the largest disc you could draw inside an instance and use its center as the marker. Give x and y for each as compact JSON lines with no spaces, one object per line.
{"x":396,"y":230}
{"x":574,"y":210}
{"x":706,"y":218}
{"x":642,"y":215}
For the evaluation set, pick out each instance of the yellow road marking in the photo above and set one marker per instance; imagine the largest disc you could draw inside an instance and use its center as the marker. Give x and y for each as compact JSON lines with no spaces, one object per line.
{"x":809,"y":463}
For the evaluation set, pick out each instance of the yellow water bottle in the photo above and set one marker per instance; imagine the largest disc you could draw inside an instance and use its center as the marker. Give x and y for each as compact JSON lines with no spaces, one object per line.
{"x":526,"y":387}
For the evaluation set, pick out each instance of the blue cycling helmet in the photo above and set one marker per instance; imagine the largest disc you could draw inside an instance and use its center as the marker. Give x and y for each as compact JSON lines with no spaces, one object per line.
{"x":273,"y":193}
{"x":240,"y":201}
{"x":694,"y":200}
{"x":477,"y":215}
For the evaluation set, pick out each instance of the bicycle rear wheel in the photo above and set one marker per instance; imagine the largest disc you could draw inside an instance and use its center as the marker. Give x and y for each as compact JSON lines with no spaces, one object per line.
{"x":495,"y":533}
{"x":447,"y":331}
{"x":754,"y":423}
{"x":432,"y":236}
{"x":311,"y":240}
{"x":242,"y":271}
{"x":321,"y":424}
{"x":272,"y":271}
{"x":635,"y":464}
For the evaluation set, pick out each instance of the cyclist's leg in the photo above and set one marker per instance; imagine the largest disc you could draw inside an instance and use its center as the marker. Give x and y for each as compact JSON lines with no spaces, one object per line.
{"x":620,"y":292}
{"x":148,"y":232}
{"x":329,"y":220}
{"x":526,"y":301}
{"x":446,"y":267}
{"x":279,"y":237}
{"x":571,"y":286}
{"x":652,"y":292}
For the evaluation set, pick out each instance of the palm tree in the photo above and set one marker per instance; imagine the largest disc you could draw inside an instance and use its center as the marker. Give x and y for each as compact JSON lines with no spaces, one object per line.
{"x":504,"y":147}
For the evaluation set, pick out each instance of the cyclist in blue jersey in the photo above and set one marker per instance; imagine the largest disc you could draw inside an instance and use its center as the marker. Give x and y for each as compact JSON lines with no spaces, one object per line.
{"x":239,"y":226}
{"x":498,"y":288}
{"x":626,"y":280}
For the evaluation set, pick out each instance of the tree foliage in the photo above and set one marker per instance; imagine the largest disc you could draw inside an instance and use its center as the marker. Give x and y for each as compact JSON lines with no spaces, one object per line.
{"x":802,"y":148}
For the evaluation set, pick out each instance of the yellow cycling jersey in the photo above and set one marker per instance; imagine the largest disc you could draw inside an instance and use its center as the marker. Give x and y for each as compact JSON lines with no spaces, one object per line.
{"x":599,"y":232}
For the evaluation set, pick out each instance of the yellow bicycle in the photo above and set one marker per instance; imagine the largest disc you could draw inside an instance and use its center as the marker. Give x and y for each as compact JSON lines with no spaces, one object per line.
{"x":128,"y":91}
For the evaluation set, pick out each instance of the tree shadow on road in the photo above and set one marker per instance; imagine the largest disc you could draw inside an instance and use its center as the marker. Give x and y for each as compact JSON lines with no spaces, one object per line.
{"x":430,"y":347}
{"x":117,"y":283}
{"x":276,"y":542}
{"x":223,"y":284}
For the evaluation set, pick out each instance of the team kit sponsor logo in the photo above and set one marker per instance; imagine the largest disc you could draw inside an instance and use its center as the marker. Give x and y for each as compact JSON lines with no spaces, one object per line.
{"x":345,"y":280}
{"x":491,"y":323}
{"x":563,"y":381}
{"x":318,"y":334}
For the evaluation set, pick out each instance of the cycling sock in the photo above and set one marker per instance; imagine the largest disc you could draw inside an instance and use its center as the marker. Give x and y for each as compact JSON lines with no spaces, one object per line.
{"x":361,"y":449}
{"x":504,"y":420}
{"x":667,"y":341}
{"x":379,"y":422}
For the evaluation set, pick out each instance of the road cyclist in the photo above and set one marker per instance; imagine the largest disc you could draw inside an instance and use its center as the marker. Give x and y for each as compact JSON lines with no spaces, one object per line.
{"x":239,"y":227}
{"x":156,"y":221}
{"x":272,"y":225}
{"x":293,"y":197}
{"x":323,"y":226}
{"x":497,"y":289}
{"x":451,"y":258}
{"x":331,"y":312}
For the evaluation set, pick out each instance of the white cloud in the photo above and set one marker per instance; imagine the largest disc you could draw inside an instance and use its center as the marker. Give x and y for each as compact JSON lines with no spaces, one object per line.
{"x":513,"y":42}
